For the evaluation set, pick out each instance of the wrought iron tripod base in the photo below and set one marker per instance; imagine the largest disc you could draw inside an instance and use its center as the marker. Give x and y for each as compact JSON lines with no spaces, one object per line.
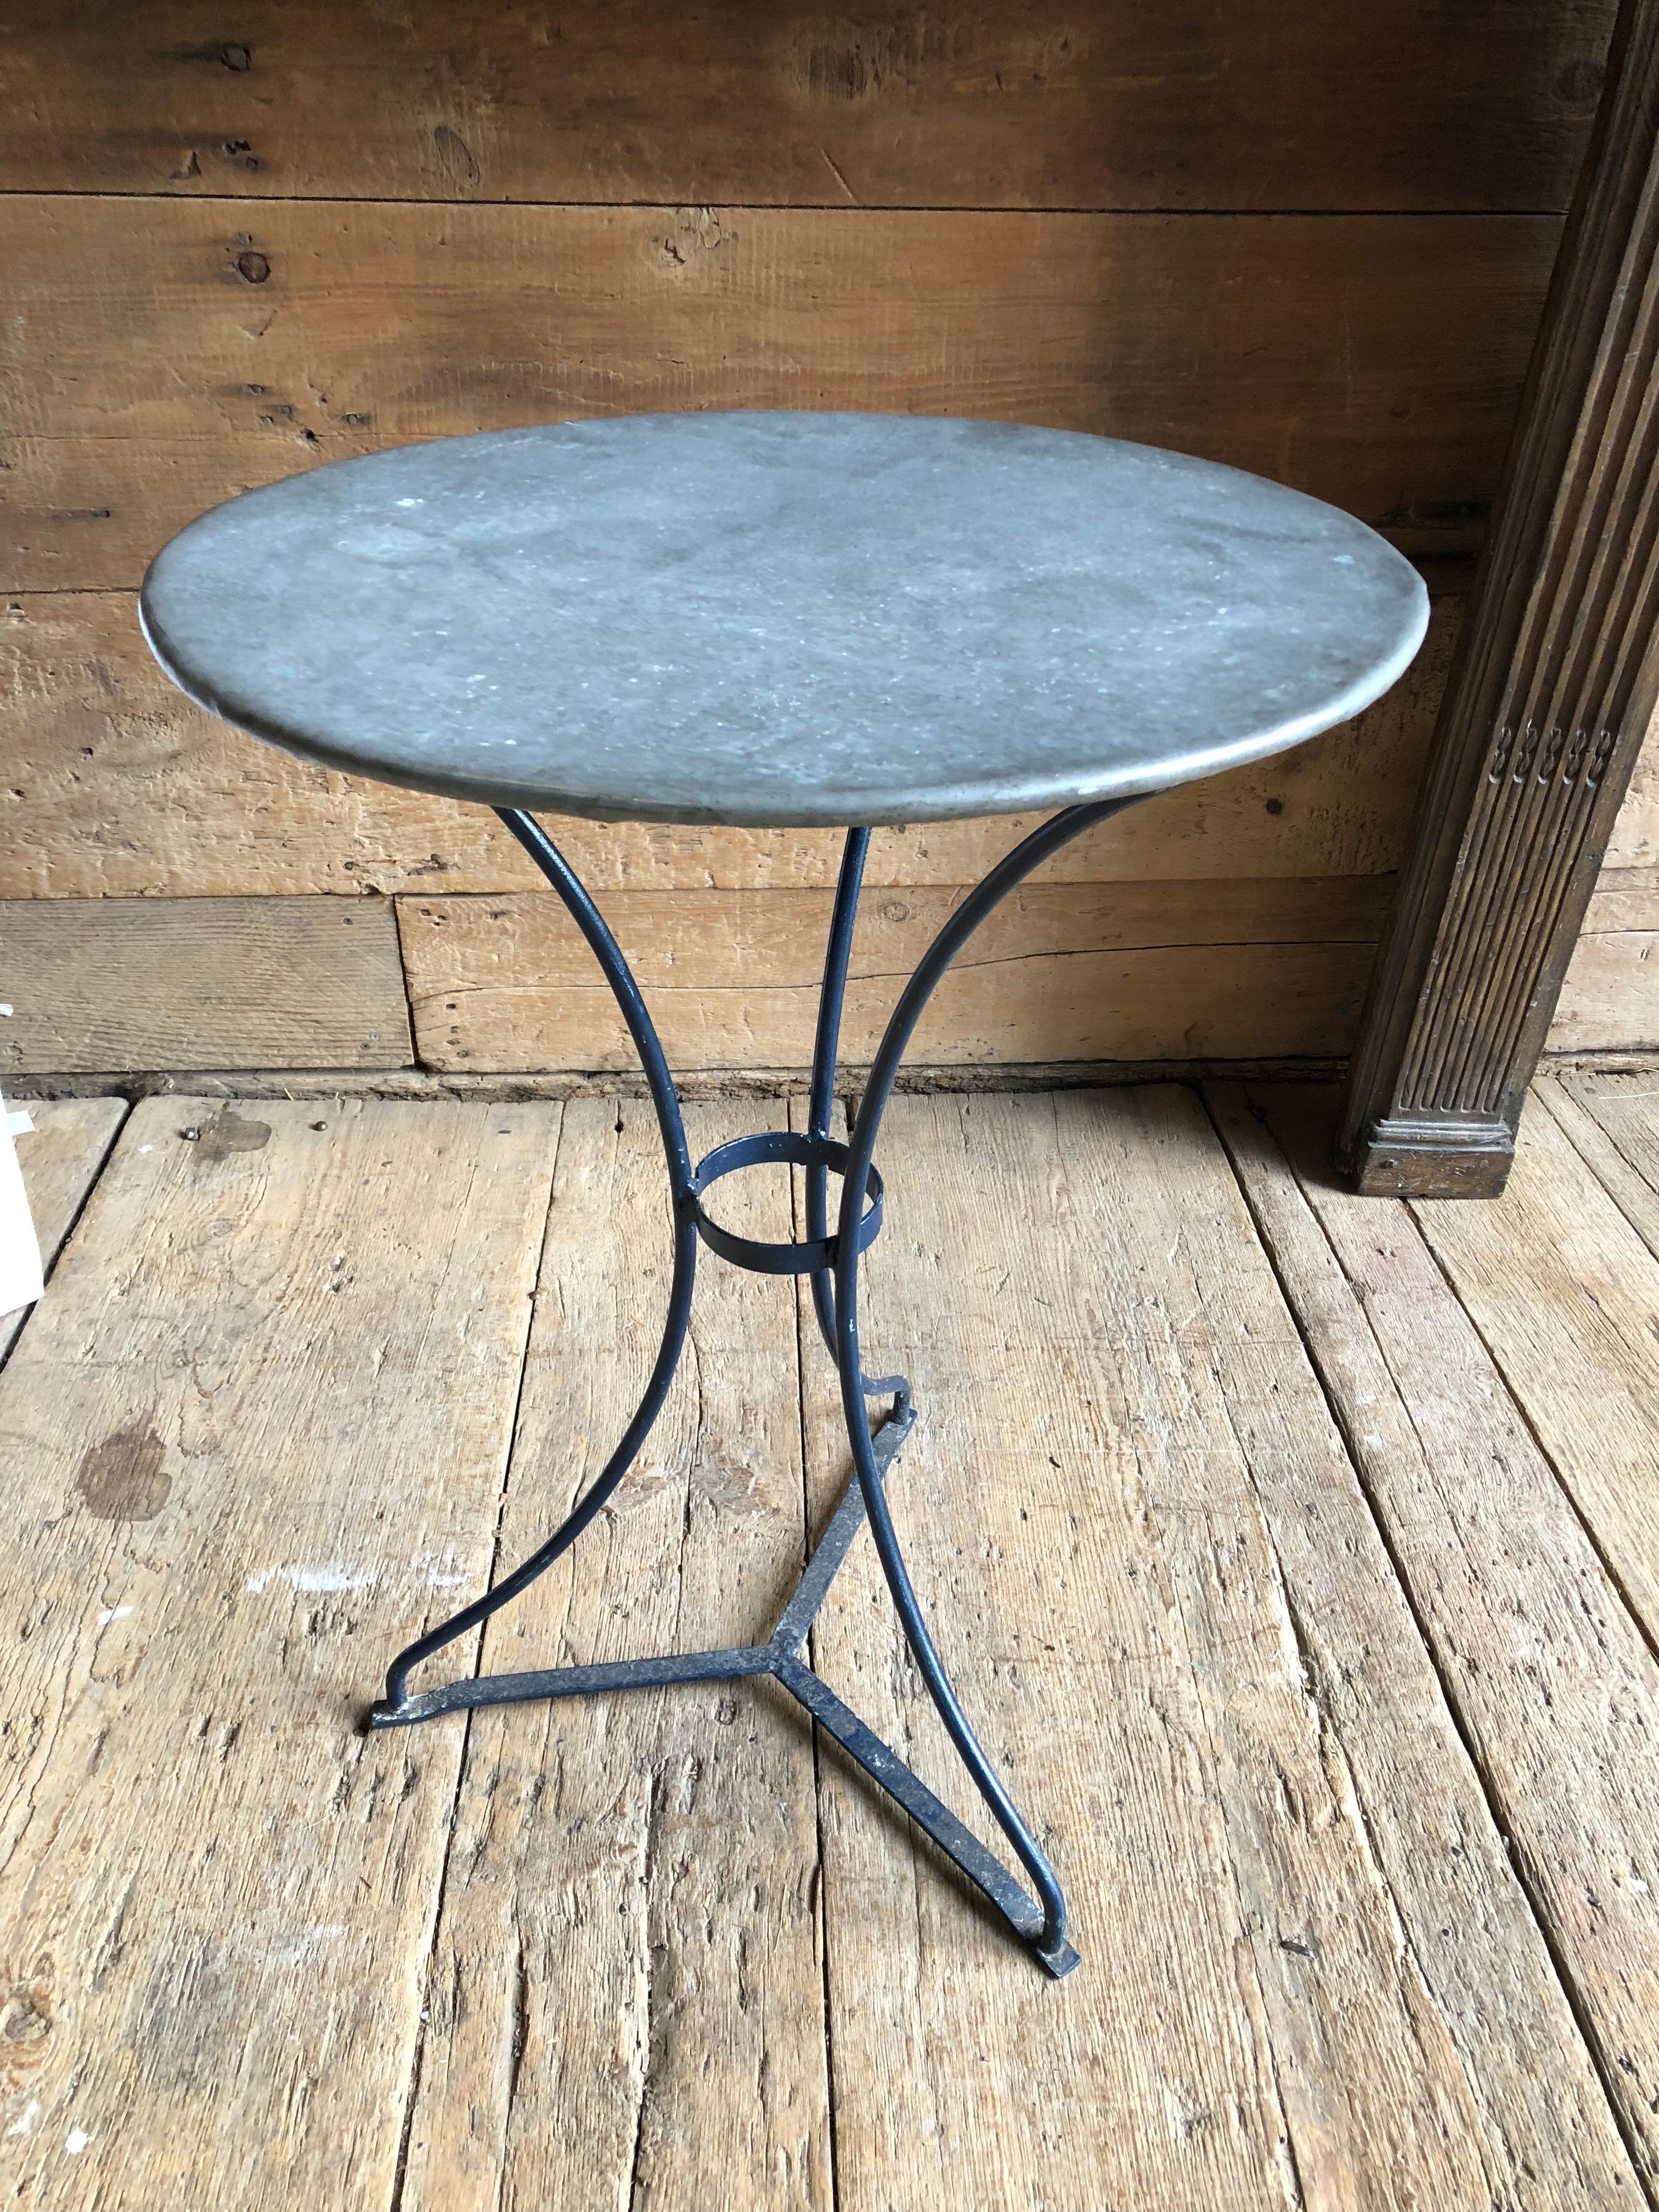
{"x":831,"y":1263}
{"x":779,"y":1657}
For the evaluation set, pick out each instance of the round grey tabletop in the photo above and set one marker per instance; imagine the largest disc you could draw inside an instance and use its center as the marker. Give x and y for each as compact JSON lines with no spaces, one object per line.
{"x":782,"y":619}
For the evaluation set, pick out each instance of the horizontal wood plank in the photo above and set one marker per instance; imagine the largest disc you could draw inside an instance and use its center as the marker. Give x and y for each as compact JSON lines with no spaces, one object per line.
{"x":147,"y":983}
{"x":1635,"y":839}
{"x":1017,"y":104}
{"x":1611,"y":994}
{"x":1130,"y":972}
{"x":159,"y":356}
{"x":116,"y":785}
{"x":256,"y":1430}
{"x":1624,"y":899}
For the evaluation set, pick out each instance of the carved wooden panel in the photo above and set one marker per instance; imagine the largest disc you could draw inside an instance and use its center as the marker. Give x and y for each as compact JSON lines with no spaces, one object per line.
{"x":1549,"y":700}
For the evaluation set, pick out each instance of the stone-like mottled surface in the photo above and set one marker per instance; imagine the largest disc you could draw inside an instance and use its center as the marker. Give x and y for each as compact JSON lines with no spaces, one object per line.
{"x":777,"y":618}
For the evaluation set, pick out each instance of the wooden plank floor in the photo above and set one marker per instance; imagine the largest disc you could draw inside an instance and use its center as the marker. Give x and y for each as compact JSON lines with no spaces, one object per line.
{"x":1298,"y":1554}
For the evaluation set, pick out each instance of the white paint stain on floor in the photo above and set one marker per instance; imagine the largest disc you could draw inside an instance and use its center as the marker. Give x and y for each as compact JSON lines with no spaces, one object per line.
{"x":310,"y":1581}
{"x":440,"y":1569}
{"x":304,"y":1949}
{"x":441,"y":1573}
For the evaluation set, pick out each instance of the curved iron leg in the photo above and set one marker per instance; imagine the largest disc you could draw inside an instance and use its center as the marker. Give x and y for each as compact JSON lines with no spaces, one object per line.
{"x":825,"y":1048}
{"x":825,"y":1045}
{"x":1050,"y":1945}
{"x":397,"y":1704}
{"x":1040,"y":1925}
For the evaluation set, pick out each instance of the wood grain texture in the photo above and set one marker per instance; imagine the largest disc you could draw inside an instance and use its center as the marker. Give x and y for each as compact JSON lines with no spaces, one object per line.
{"x":1634,"y":842}
{"x":231,"y":1434}
{"x":626,"y":2001}
{"x":1019,"y":103}
{"x":415,"y":1084}
{"x":1610,"y":993}
{"x":1070,"y":971}
{"x":160,"y":354}
{"x":1624,"y":899}
{"x":582,"y":1958}
{"x":117,"y":785}
{"x":1565,"y":1295}
{"x":119,"y":983}
{"x":1549,"y":703}
{"x":60,"y":1158}
{"x":1554,"y":1686}
{"x":1613,"y":1122}
{"x":1310,"y":1974}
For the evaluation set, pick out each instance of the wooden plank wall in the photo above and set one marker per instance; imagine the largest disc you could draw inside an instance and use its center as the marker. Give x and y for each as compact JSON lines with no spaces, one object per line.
{"x":1610,"y":999}
{"x":1312,"y":242}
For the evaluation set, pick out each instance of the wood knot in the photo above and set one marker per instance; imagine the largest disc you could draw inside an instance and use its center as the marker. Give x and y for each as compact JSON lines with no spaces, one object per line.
{"x":26,"y":2026}
{"x":457,"y":156}
{"x":697,"y":231}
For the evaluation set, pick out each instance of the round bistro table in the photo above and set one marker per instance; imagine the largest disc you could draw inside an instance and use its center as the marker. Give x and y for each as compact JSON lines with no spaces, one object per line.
{"x":783,"y":620}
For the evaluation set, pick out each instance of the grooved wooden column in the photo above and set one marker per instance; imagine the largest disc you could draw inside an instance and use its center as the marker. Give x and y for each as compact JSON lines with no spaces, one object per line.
{"x":1552,"y":695}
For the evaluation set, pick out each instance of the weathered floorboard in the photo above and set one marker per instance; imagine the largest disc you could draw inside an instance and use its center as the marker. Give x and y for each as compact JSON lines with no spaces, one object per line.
{"x":1553,"y":1683}
{"x":627,"y":2002}
{"x":107,"y":984}
{"x":255,"y":1431}
{"x":160,"y":354}
{"x":581,"y":1956}
{"x":1613,"y":1122}
{"x":1177,"y":107}
{"x":60,"y":1158}
{"x":1310,"y":1974}
{"x":1565,"y":1295}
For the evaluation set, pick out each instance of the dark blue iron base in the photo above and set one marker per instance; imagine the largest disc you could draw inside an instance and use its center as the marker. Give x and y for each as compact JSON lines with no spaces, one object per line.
{"x":832,"y":1263}
{"x":779,"y":1656}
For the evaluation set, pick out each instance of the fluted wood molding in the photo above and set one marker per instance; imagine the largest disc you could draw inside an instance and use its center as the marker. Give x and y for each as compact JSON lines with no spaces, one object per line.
{"x":1554,"y":684}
